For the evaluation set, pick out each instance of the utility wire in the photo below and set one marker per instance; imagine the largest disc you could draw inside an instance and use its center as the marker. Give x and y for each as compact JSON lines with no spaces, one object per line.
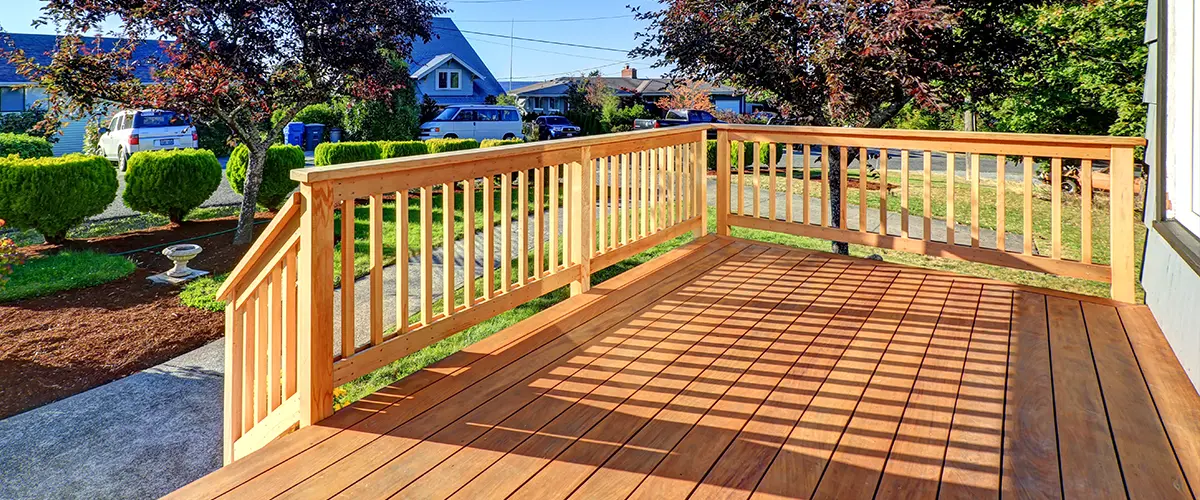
{"x":522,"y":47}
{"x":567,"y":20}
{"x":573,"y":72}
{"x":551,"y":42}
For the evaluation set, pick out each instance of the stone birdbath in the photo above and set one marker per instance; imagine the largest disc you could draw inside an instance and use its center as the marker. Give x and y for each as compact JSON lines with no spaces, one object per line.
{"x":180,"y":255}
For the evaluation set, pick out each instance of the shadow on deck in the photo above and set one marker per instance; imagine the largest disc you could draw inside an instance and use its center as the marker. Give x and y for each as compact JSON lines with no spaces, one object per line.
{"x":731,"y":368}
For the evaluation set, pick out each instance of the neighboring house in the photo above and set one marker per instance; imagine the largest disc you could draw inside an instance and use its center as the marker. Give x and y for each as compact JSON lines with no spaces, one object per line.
{"x":1171,"y":269}
{"x":551,"y":96}
{"x":17,"y":94}
{"x":447,"y":68}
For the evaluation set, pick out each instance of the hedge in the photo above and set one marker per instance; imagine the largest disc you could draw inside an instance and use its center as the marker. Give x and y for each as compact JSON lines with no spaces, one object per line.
{"x":491,"y":143}
{"x":400,"y":149}
{"x":276,"y":183}
{"x":52,"y":195}
{"x":447,"y":145}
{"x":764,"y":154}
{"x":334,"y":153}
{"x":171,"y":183}
{"x":25,"y":146}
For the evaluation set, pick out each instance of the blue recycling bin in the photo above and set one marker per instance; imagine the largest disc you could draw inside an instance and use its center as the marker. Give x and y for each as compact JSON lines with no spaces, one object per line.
{"x":335,"y":134}
{"x":293,"y":133}
{"x":314,"y":133}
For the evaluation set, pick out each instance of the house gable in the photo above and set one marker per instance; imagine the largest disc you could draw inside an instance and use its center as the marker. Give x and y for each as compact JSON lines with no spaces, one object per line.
{"x":448,"y":51}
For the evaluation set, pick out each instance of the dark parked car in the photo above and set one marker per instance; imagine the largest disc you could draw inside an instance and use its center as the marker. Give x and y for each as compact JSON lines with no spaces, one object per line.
{"x":676,"y":117}
{"x":555,"y":127}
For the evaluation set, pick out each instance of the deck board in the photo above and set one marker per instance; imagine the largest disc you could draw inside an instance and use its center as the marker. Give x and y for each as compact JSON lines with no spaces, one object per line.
{"x":732,"y":369}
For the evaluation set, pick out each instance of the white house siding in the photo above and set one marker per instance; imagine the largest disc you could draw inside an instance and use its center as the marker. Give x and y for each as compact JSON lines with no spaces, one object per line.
{"x":428,"y":83}
{"x":1172,"y":283}
{"x":731,"y":104}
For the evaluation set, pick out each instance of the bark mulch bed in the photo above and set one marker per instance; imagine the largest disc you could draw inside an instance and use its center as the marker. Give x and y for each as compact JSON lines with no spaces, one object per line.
{"x":56,"y":346}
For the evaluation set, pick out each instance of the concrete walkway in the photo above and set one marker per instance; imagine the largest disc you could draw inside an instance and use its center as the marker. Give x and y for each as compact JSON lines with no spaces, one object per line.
{"x":155,"y":431}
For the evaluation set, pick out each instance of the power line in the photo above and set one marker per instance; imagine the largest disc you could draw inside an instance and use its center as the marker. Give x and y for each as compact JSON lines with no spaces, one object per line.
{"x":551,"y":42}
{"x":543,"y":50}
{"x":572,"y":72}
{"x":567,"y":20}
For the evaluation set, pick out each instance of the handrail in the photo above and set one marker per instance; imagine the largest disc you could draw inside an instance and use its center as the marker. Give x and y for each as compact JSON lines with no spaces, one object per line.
{"x":278,"y":228}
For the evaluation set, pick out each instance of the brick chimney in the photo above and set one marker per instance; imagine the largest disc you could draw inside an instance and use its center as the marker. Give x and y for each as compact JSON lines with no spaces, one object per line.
{"x":629,"y":72}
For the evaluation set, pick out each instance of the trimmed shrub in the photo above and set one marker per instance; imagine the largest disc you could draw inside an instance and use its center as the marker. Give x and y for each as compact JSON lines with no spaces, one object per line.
{"x":400,"y":149}
{"x":25,"y":146}
{"x":324,"y":114}
{"x":277,"y":183}
{"x":764,"y":154}
{"x":491,"y":143}
{"x":446,"y":145}
{"x":334,"y":153}
{"x":171,"y":183}
{"x":52,"y":195}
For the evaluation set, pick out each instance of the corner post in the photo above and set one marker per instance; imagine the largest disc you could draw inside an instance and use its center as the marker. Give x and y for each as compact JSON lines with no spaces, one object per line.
{"x":700,"y":200}
{"x":1121,"y":227}
{"x":314,"y":359}
{"x":723,"y":182}
{"x":233,"y":379}
{"x":584,"y":210}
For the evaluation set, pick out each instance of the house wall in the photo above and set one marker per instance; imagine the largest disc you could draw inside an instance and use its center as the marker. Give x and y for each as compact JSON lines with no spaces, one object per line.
{"x":1171,"y":264}
{"x":70,"y":140}
{"x":428,"y":83}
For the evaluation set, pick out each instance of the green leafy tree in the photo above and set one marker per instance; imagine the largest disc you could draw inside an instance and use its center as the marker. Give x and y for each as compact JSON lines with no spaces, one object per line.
{"x":1088,"y":69}
{"x":392,"y":118}
{"x":236,"y":61}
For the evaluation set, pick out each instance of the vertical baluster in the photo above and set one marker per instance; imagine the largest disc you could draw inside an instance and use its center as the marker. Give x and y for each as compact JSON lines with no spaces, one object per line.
{"x":1056,"y":208}
{"x":790,"y":171}
{"x":772,"y":178}
{"x":489,"y":237}
{"x":376,"y":277}
{"x":883,"y":191}
{"x":862,"y":190}
{"x":951,"y":169}
{"x":402,"y":262}
{"x":614,"y":197}
{"x":1028,"y":219}
{"x":426,"y":255}
{"x":1001,"y":186}
{"x":262,"y":378}
{"x":653,"y":197}
{"x":290,"y":301}
{"x":249,"y":366}
{"x":275,"y":357}
{"x":927,"y":196}
{"x":626,"y":199}
{"x":448,"y":207}
{"x":825,"y":186}
{"x":680,"y":189}
{"x":522,"y":227}
{"x":843,"y":181}
{"x":539,"y":223}
{"x":1085,"y":212}
{"x":644,"y":202}
{"x":506,"y":232}
{"x":469,"y":242}
{"x":555,"y":231}
{"x":670,"y":196}
{"x":975,"y":200}
{"x":904,"y":193}
{"x":347,"y":278}
{"x":756,"y":199}
{"x":741,"y":184}
{"x":602,"y":193}
{"x":805,"y":166}
{"x":568,"y":214}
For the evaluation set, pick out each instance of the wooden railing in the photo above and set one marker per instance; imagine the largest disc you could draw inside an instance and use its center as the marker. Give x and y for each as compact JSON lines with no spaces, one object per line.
{"x":577,"y":206}
{"x":813,"y":154}
{"x":574,"y":207}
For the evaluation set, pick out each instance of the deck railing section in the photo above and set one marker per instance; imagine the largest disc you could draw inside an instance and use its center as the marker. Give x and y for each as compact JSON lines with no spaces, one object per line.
{"x":470,"y":234}
{"x":764,"y":171}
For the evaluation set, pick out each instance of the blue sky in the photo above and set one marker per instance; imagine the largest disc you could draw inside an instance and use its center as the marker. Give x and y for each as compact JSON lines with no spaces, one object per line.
{"x":530,"y":60}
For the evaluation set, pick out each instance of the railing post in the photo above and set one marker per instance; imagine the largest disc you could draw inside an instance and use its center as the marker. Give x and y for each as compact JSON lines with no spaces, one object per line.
{"x":1121,"y":227}
{"x":700,"y":200}
{"x":723,"y":182}
{"x":314,"y":360}
{"x":233,"y":379}
{"x":584,"y":210}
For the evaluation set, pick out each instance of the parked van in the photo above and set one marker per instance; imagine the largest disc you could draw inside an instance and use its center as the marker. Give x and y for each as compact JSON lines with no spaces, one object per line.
{"x":477,"y":122}
{"x":145,"y":130}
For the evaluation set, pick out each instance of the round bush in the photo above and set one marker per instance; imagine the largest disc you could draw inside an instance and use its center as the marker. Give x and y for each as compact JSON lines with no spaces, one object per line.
{"x":52,"y":195}
{"x":25,"y":146}
{"x":334,"y":153}
{"x":171,"y":183}
{"x":276,"y":183}
{"x":400,"y":149}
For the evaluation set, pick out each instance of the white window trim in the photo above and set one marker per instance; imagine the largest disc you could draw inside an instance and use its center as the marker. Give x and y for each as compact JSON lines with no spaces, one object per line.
{"x":448,"y":72}
{"x":1183,"y":117}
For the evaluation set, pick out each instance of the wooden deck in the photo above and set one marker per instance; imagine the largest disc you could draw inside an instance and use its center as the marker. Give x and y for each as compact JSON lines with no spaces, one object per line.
{"x":735,"y":369}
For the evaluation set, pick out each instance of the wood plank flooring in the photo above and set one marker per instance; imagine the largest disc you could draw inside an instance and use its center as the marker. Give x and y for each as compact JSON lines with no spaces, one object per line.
{"x":734,"y":369}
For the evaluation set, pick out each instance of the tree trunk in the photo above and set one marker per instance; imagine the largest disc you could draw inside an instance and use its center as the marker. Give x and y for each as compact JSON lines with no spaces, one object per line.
{"x":254,"y":173}
{"x":835,"y":197}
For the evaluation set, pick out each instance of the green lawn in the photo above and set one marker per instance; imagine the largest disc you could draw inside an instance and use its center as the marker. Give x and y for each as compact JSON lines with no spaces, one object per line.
{"x":63,"y":271}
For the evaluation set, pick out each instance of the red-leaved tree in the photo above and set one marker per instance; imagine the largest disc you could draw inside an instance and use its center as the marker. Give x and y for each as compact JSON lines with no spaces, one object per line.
{"x":237,"y":60}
